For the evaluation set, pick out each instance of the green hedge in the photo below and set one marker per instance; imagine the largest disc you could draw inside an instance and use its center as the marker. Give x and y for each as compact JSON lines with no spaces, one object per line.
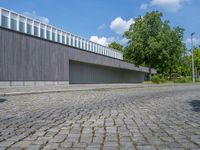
{"x":157,"y":79}
{"x":183,"y":80}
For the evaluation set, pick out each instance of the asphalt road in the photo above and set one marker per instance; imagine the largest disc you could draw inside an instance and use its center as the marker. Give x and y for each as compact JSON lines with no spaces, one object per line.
{"x":128,"y":118}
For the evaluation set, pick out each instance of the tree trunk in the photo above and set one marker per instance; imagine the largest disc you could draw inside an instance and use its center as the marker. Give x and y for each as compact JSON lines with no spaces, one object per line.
{"x":149,"y":69}
{"x":149,"y":72}
{"x":170,"y":73}
{"x":163,"y":76}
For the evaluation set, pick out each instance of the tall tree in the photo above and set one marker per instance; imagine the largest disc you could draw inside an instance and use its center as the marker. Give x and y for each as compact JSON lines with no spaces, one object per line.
{"x":143,"y":43}
{"x":152,"y":42}
{"x":171,"y":48}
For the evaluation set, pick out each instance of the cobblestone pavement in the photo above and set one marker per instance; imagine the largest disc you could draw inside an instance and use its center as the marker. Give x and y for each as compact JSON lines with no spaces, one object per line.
{"x":153,"y":118}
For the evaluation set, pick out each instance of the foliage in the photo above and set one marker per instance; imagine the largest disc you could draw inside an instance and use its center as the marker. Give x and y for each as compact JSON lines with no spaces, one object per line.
{"x":153,"y":43}
{"x":158,"y":79}
{"x":163,"y":80}
{"x":183,"y":80}
{"x":196,"y":58}
{"x":155,"y":79}
{"x":116,"y":46}
{"x":142,"y":43}
{"x":183,"y":66}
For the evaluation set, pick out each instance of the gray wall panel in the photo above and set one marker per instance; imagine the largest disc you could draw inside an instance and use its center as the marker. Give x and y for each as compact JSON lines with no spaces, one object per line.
{"x":1,"y":57}
{"x":27,"y":58}
{"x":80,"y":72}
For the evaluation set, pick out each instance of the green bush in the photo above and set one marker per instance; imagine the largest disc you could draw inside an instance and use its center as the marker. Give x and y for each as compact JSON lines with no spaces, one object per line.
{"x":183,"y":80}
{"x":197,"y":80}
{"x":155,"y":79}
{"x":158,"y":79}
{"x":162,"y":80}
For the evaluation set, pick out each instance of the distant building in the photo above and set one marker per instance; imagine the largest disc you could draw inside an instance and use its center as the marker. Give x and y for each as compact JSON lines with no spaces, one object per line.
{"x":35,"y":53}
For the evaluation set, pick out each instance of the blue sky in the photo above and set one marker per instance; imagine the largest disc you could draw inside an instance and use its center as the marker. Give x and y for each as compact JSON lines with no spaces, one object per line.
{"x":104,"y":21}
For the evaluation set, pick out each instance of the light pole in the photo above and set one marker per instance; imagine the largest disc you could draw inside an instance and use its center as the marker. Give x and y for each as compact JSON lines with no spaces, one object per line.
{"x":193,"y":78}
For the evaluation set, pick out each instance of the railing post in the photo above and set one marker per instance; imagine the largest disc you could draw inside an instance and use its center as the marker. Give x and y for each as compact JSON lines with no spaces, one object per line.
{"x":9,"y":20}
{"x":45,"y":31}
{"x":0,"y":16}
{"x":25,"y":25}
{"x":17,"y":22}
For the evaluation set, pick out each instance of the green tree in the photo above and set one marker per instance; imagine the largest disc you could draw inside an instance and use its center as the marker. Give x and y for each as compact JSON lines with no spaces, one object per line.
{"x":153,"y":43}
{"x":196,"y":59}
{"x":171,"y":49}
{"x":143,"y":42}
{"x":116,"y":46}
{"x":183,"y":67}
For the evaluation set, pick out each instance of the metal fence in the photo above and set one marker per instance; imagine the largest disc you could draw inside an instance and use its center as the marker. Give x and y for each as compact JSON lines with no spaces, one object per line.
{"x":27,"y":25}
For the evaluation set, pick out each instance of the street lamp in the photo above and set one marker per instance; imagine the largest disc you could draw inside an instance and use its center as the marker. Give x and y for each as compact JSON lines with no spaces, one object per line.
{"x":193,"y":79}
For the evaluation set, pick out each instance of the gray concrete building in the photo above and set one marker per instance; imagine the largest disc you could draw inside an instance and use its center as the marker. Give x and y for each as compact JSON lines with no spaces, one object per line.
{"x":35,"y":53}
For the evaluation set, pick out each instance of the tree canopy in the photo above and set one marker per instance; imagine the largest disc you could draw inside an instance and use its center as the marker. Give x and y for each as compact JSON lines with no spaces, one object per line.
{"x":116,"y":46}
{"x":153,"y":43}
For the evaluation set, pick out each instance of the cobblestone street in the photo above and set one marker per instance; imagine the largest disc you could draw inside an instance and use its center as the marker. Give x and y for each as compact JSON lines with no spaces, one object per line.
{"x":148,"y":118}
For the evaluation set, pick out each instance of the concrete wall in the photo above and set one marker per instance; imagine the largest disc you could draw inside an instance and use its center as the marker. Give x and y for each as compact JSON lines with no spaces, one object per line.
{"x":26,"y":58}
{"x":80,"y":72}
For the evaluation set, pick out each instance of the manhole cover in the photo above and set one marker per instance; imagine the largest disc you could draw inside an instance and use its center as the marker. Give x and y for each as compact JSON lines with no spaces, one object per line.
{"x":2,"y":100}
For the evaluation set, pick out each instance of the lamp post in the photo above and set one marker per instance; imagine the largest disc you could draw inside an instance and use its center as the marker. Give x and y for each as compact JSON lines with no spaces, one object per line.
{"x":193,"y":78}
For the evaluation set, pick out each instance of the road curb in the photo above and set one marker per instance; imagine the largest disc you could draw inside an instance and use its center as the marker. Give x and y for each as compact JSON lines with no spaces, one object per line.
{"x":3,"y":94}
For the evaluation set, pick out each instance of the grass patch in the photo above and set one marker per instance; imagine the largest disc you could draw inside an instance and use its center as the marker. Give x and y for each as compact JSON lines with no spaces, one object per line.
{"x":157,"y":79}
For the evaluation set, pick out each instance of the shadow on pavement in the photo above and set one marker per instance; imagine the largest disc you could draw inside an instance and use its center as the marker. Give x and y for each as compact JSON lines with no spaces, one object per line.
{"x":195,"y":105}
{"x":2,"y":100}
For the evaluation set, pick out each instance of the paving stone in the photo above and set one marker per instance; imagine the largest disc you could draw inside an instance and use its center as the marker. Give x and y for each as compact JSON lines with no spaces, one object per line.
{"x":15,"y":148}
{"x":22,"y":144}
{"x":145,"y":148}
{"x":51,"y":146}
{"x":6,"y":143}
{"x":34,"y":147}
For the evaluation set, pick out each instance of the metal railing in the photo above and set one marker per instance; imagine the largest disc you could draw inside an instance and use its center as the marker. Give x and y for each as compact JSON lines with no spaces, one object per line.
{"x":18,"y":22}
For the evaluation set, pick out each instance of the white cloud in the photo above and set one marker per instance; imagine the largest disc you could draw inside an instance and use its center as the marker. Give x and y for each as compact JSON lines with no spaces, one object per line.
{"x":196,"y":41}
{"x":35,"y":16}
{"x":119,"y":25}
{"x":123,"y":41}
{"x":105,"y":41}
{"x":144,"y":6}
{"x":169,"y":5}
{"x":102,"y":26}
{"x":102,"y":40}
